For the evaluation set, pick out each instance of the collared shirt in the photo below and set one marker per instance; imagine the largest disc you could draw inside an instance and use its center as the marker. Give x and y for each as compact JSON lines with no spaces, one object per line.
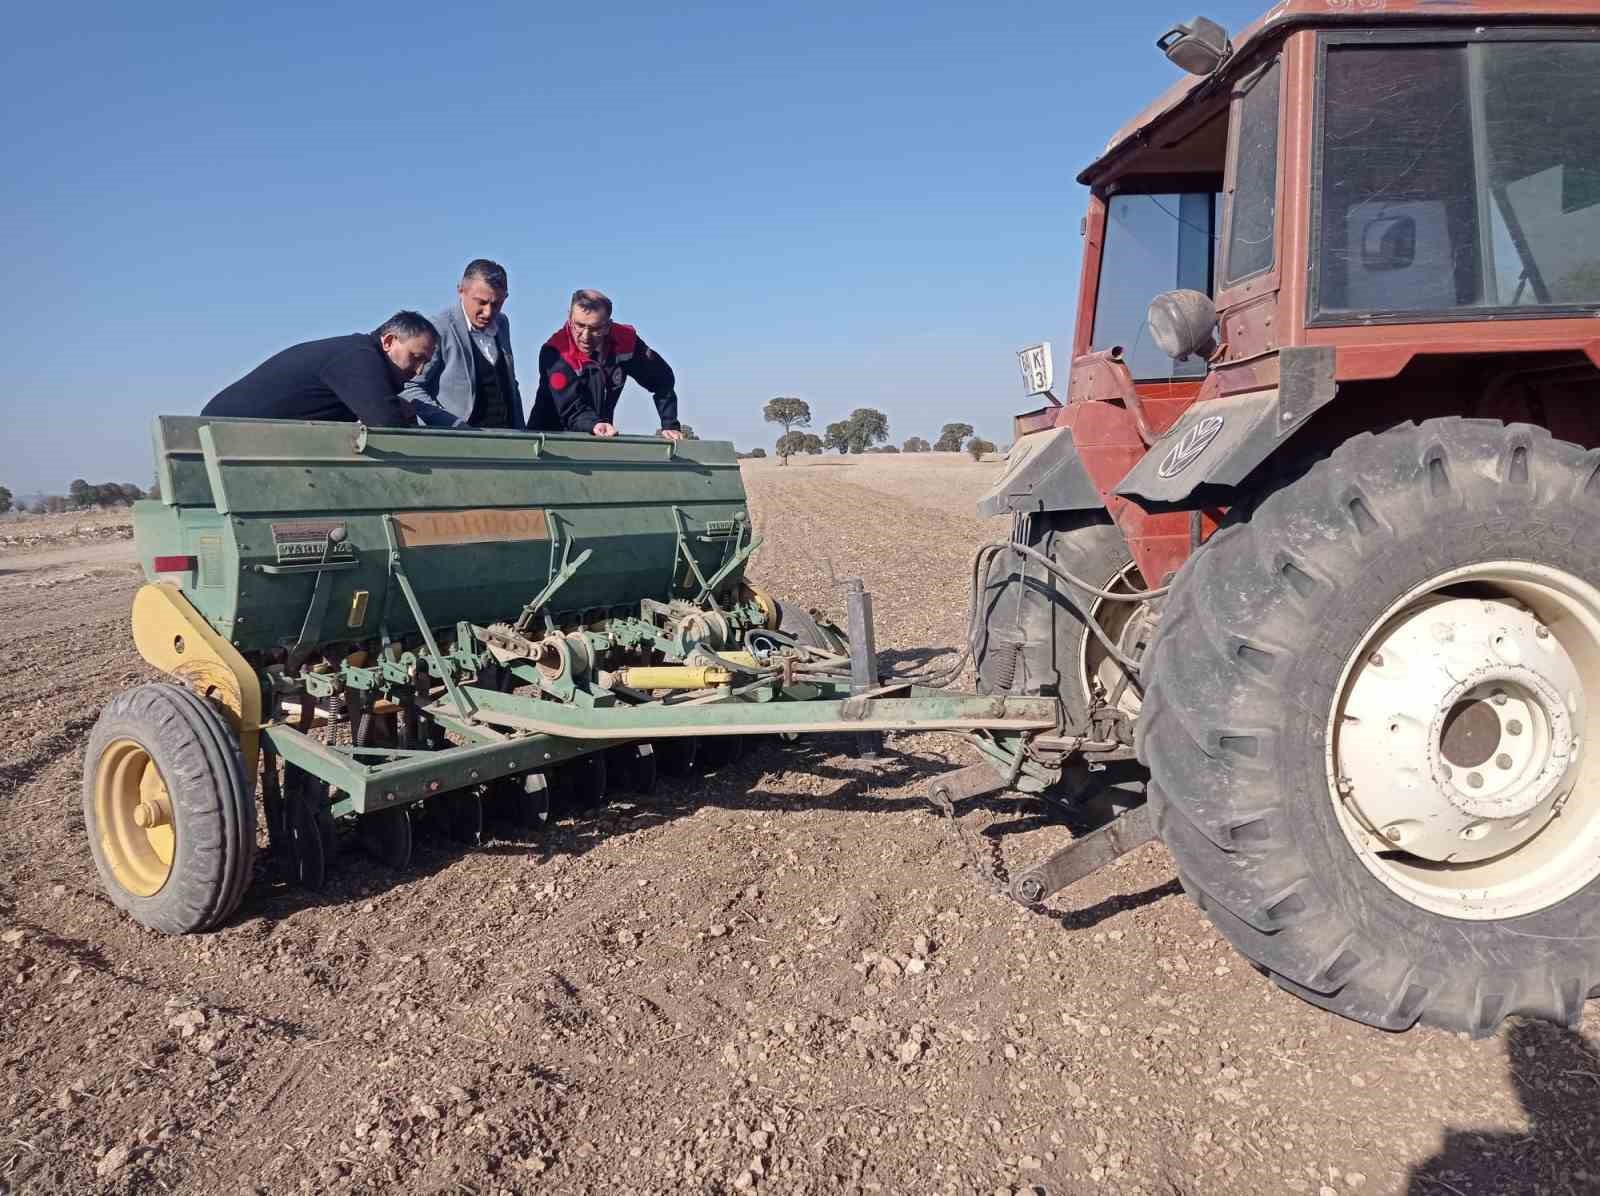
{"x":484,"y":338}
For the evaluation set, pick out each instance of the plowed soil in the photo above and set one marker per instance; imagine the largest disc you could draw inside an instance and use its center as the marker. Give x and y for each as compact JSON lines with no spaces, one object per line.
{"x":780,"y":977}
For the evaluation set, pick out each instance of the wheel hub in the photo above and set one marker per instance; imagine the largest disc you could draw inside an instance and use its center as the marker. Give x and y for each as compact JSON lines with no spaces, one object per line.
{"x":1458,"y":739}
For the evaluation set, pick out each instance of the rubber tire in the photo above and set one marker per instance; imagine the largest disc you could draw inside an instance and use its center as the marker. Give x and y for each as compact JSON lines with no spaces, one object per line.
{"x":213,"y":806}
{"x":1033,"y":625}
{"x":1244,"y":672}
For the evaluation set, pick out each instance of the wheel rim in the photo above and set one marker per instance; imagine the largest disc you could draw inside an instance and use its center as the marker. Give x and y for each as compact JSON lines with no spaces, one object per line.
{"x":1100,"y":674}
{"x":1457,"y":759}
{"x":134,"y":817}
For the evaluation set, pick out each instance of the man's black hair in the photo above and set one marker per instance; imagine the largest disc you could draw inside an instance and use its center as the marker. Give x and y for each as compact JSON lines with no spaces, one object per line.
{"x":590,"y":301}
{"x":491,"y":273}
{"x":407,"y":324}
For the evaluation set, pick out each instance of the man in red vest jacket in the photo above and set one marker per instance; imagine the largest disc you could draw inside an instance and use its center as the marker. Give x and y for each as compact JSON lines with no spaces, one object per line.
{"x":585,"y":365}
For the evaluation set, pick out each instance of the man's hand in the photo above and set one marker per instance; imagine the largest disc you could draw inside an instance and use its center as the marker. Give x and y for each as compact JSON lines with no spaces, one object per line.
{"x":605,"y":429}
{"x":670,"y":434}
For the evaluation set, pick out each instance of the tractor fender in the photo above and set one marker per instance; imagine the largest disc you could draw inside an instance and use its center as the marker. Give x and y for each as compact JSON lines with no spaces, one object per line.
{"x":1218,"y":442}
{"x":1043,"y":473}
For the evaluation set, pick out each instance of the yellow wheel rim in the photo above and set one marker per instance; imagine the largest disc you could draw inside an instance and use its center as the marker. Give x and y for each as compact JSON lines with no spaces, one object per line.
{"x":133,"y":811}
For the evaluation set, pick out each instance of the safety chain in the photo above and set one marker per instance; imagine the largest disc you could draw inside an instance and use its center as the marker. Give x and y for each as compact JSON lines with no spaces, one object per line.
{"x":991,"y":871}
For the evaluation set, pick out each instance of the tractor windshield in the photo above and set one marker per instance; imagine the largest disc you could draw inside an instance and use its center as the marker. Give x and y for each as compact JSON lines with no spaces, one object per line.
{"x":1458,"y":180}
{"x":1153,"y":243}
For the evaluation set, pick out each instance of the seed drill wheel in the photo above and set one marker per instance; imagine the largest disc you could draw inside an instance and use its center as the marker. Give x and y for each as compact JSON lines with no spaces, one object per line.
{"x":385,"y":835}
{"x":1034,"y":638}
{"x":312,"y":842}
{"x":676,"y":757}
{"x":632,"y":768}
{"x":719,"y":751}
{"x":459,"y":816}
{"x":583,"y":781}
{"x":523,"y":801}
{"x":1368,"y":721}
{"x":170,"y":815}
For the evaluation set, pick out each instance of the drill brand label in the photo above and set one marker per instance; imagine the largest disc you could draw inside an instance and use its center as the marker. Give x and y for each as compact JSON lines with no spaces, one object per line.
{"x":487,"y":525}
{"x":304,"y":541}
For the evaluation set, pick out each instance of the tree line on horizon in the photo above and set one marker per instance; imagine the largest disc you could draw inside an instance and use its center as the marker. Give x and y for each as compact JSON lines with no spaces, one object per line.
{"x":80,"y":495}
{"x":864,"y":430}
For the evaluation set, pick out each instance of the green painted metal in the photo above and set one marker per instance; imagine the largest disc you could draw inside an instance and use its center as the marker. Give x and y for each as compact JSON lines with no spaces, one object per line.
{"x":832,"y":710}
{"x":354,"y":565}
{"x":551,"y":733}
{"x":253,"y":501}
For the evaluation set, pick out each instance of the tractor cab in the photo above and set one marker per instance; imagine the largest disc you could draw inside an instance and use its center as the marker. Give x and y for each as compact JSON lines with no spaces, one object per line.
{"x":1338,"y":199}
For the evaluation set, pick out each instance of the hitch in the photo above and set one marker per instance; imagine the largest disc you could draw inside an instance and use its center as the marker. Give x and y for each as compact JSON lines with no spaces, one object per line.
{"x":1131,"y":829}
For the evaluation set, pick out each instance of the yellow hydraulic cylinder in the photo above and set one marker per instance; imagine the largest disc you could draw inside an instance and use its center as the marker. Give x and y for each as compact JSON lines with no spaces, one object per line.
{"x":672,"y":676}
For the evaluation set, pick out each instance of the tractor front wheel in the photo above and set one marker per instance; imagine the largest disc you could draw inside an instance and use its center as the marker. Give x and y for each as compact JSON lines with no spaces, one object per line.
{"x":1368,"y":724}
{"x":170,"y":816}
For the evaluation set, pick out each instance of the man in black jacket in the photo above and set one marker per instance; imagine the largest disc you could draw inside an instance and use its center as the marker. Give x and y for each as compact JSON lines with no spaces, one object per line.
{"x":356,"y":377}
{"x":585,"y":365}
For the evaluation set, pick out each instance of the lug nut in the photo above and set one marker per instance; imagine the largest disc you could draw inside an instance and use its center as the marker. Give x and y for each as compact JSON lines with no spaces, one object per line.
{"x":1542,"y":632}
{"x":1498,"y":697}
{"x":1514,"y":727}
{"x":1394,"y":834}
{"x":1475,"y":779}
{"x":1503,"y":760}
{"x":1377,"y":659}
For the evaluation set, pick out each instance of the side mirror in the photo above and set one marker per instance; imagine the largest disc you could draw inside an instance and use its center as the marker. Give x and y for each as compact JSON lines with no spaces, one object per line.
{"x":1181,"y":324}
{"x":1389,"y":243}
{"x":1199,"y":47}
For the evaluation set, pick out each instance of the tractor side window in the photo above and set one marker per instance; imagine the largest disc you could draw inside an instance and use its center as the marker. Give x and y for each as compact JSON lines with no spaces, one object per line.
{"x":1541,"y":103}
{"x":1450,"y":180}
{"x":1255,"y":189}
{"x":1153,"y":243}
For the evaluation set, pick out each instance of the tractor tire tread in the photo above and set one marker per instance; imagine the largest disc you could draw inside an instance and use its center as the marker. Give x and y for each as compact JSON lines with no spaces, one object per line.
{"x":1231,"y":721}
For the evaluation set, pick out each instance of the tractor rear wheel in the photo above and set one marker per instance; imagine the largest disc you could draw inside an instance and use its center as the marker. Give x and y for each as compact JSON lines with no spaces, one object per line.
{"x":1368,"y":722}
{"x":1035,"y":639}
{"x":170,"y":815}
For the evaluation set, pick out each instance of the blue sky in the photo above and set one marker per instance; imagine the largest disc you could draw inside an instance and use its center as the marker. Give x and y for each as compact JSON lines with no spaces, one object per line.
{"x":860,"y":205}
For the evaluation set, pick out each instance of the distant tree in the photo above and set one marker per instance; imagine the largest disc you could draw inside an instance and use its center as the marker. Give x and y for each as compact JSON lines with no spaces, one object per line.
{"x":865,"y":427}
{"x":837,"y":436}
{"x":978,"y":446}
{"x":688,"y":432}
{"x":81,"y":493}
{"x":916,"y":444}
{"x":757,"y":452}
{"x":950,"y":438}
{"x":884,"y":448}
{"x":791,"y":413}
{"x":813,"y":444}
{"x":131,"y":493}
{"x":5,"y":500}
{"x":791,"y":443}
{"x":52,"y":504}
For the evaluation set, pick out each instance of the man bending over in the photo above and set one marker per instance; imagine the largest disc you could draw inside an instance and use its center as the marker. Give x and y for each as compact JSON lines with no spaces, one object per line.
{"x":355,"y":377}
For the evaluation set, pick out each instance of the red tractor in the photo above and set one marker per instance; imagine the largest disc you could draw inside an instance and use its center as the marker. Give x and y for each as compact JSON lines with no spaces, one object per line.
{"x":1318,"y":525}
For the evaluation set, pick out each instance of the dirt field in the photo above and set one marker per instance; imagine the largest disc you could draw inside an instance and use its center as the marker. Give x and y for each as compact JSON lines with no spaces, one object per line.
{"x":779,"y":978}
